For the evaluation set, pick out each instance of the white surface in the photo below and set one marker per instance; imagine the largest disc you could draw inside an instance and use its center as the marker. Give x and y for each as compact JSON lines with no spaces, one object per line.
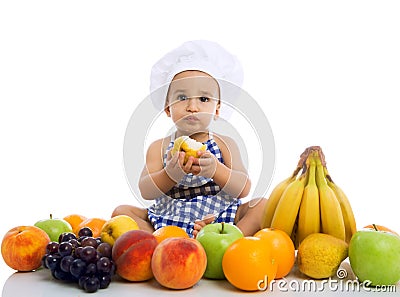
{"x":71,"y":74}
{"x":41,"y":283}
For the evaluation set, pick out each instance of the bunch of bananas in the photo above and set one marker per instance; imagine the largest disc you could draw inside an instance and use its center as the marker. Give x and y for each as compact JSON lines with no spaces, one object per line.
{"x":310,"y":202}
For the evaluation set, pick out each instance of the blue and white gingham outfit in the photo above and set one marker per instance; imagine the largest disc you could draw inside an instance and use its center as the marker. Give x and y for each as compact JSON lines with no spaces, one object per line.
{"x":193,"y":198}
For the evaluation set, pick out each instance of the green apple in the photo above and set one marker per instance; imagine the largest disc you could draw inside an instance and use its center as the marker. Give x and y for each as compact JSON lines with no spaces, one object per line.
{"x":375,"y":257}
{"x":215,"y":239}
{"x":54,"y":227}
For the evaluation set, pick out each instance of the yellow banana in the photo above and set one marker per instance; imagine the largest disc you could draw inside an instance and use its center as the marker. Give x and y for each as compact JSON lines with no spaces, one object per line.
{"x":347,"y":211}
{"x":274,"y":198}
{"x":331,"y":214}
{"x":294,"y":237}
{"x":309,"y":213}
{"x":288,"y":206}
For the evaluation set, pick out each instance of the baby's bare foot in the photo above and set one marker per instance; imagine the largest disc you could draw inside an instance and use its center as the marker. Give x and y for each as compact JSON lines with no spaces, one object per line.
{"x":199,"y":224}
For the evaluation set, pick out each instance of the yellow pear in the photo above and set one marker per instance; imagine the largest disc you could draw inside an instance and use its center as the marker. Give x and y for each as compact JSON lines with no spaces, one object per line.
{"x":189,"y":146}
{"x":117,"y":226}
{"x":320,"y":255}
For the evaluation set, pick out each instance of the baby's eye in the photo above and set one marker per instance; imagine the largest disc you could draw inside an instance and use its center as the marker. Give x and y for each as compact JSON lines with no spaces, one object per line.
{"x":204,"y":99}
{"x":182,"y":97}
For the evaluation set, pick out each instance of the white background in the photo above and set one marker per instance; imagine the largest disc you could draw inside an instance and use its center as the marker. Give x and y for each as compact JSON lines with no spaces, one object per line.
{"x":72,"y":72}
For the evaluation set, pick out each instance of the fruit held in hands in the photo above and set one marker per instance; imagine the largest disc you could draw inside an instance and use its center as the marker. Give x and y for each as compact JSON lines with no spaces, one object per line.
{"x":320,"y":255}
{"x":23,"y":247}
{"x":189,"y":146}
{"x":179,"y":263}
{"x":132,"y":253}
{"x":54,"y":227}
{"x":215,"y":239}
{"x":375,"y":256}
{"x":117,"y":226}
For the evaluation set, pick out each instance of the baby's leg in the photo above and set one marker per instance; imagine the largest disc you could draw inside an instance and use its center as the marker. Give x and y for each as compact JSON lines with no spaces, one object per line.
{"x":137,"y":213}
{"x":250,"y":215}
{"x":199,"y":224}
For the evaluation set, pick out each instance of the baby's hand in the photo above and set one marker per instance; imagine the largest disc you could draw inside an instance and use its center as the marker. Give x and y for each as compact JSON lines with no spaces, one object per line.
{"x":199,"y":224}
{"x":207,"y":164}
{"x":175,"y":166}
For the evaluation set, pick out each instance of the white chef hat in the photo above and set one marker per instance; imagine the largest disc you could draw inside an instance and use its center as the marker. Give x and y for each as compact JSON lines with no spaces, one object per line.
{"x":201,"y":55}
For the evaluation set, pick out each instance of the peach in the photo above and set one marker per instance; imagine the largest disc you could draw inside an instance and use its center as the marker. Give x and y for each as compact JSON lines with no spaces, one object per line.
{"x":132,"y":253}
{"x":23,"y":247}
{"x":179,"y":263}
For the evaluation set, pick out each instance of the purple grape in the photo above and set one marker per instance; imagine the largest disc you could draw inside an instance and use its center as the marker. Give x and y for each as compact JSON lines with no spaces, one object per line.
{"x":105,"y":281}
{"x":75,"y":243}
{"x":88,"y":254}
{"x":92,"y":284}
{"x":81,"y":238}
{"x":77,"y":268}
{"x":66,"y":262}
{"x":65,"y":236}
{"x":85,"y":231}
{"x":43,"y":262}
{"x":53,"y":261}
{"x":82,"y":280}
{"x":78,"y":252}
{"x":89,"y":241}
{"x":91,"y":269}
{"x":104,"y":249}
{"x":104,"y":265}
{"x":113,"y":268}
{"x":62,"y":275}
{"x":52,"y":247}
{"x":65,"y":249}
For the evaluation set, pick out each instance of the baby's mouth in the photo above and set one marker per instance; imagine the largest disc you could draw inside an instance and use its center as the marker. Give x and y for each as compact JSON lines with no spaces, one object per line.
{"x":191,"y":118}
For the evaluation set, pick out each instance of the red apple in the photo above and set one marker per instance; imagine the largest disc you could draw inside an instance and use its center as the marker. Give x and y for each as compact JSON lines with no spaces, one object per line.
{"x":179,"y":263}
{"x":23,"y":247}
{"x":132,"y":253}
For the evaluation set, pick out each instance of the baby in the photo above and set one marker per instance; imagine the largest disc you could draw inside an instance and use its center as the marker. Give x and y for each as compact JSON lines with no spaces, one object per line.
{"x":207,"y":188}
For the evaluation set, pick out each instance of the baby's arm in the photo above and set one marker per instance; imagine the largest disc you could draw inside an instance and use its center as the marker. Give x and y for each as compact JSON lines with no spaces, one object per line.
{"x":232,"y":176}
{"x":156,"y":180}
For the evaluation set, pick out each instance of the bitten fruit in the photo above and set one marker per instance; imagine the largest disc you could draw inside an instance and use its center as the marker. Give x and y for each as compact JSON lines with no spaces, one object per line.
{"x":187,"y":145}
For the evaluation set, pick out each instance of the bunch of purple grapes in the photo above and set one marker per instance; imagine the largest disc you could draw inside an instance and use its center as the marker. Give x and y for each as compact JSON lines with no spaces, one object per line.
{"x":84,"y":260}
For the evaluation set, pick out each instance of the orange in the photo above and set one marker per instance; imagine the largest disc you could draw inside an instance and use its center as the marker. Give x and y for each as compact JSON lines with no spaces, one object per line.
{"x":281,"y":247}
{"x":248,"y":264}
{"x":380,"y":228}
{"x":74,"y":220}
{"x":169,"y":231}
{"x":95,"y":224}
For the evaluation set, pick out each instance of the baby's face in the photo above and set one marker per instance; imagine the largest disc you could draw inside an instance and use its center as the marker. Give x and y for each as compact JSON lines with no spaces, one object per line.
{"x":193,"y":101}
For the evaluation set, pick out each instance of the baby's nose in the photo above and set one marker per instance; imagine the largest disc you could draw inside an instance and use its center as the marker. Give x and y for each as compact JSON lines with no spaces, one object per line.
{"x":192,"y":105}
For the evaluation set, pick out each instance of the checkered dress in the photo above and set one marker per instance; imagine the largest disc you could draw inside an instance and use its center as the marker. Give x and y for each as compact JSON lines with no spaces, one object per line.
{"x":193,"y":198}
